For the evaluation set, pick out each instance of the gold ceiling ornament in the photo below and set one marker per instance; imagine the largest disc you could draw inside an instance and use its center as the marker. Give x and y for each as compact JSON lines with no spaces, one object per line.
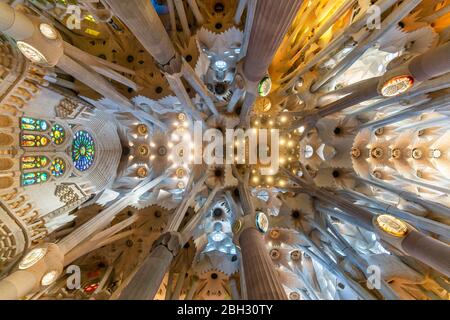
{"x":274,"y":234}
{"x":377,"y":153}
{"x":294,"y":295}
{"x":275,"y":254}
{"x":181,"y":117}
{"x":143,"y":150}
{"x":392,"y":225}
{"x":237,"y":226}
{"x":379,"y":132}
{"x":180,"y":173}
{"x":295,"y":255}
{"x":142,"y":172}
{"x":396,"y":153}
{"x":142,"y":129}
{"x":356,"y":153}
{"x":417,"y":154}
{"x":377,"y":174}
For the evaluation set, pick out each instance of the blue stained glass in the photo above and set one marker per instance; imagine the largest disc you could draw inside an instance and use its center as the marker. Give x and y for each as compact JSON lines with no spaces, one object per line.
{"x":32,"y":178}
{"x":83,"y":150}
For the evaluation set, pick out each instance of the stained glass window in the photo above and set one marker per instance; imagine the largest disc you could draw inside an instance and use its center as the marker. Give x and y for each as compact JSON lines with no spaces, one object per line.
{"x":58,"y":134}
{"x":32,"y":178}
{"x":83,"y":150}
{"x":34,"y":140}
{"x":58,"y":167}
{"x":34,"y":162}
{"x":31,"y":124}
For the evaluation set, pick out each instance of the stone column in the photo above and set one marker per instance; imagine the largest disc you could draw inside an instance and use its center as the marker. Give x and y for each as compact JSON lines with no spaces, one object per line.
{"x":271,"y":22}
{"x":433,"y":63}
{"x":143,"y":21}
{"x":34,"y":272}
{"x":262,"y":280}
{"x":430,"y":251}
{"x":234,"y":289}
{"x":146,"y":281}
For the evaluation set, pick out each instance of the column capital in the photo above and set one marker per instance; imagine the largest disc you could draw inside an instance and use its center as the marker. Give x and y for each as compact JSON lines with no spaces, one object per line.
{"x":172,"y":241}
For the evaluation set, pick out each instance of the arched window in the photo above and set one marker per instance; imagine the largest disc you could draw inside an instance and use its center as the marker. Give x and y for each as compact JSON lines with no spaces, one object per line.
{"x":33,"y":178}
{"x":83,"y":150}
{"x":33,"y":140}
{"x":58,"y":167}
{"x":58,"y":134}
{"x":31,"y":124}
{"x":32,"y":162}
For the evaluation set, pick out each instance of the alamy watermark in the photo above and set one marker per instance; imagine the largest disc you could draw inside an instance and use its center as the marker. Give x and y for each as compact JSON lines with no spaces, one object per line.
{"x":232,"y":146}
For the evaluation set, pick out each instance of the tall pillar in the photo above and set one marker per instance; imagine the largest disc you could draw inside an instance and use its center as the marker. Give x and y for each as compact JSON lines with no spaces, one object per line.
{"x":262,"y":280}
{"x":146,"y":281}
{"x":143,"y":21}
{"x":271,"y":22}
{"x":430,"y":251}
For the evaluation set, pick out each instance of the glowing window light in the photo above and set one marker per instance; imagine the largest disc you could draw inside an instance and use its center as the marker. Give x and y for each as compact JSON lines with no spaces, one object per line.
{"x":397,"y":86}
{"x":262,"y":222}
{"x":264,"y":86}
{"x":32,"y":178}
{"x":58,"y":168}
{"x":31,"y":124}
{"x":48,"y":31}
{"x":92,"y":32}
{"x":49,"y":278}
{"x":392,"y":225}
{"x":33,"y":140}
{"x":58,"y":134}
{"x":218,"y":236}
{"x":309,"y":152}
{"x":91,"y":288}
{"x":31,"y":53}
{"x":90,"y":18}
{"x":31,"y":162}
{"x":221,"y":65}
{"x":32,"y":257}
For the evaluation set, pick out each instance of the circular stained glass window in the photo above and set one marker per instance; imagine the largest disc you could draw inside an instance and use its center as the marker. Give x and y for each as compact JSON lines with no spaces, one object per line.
{"x":58,"y":134}
{"x":83,"y":150}
{"x":264,"y":86}
{"x":58,"y":167}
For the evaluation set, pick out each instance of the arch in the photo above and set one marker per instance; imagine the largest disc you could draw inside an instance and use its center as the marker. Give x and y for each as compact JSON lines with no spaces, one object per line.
{"x":6,"y":164}
{"x":5,"y":121}
{"x":6,"y":182}
{"x":5,"y":139}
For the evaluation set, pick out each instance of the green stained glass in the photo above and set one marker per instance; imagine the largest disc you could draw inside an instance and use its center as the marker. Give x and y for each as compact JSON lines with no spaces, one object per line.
{"x":58,"y":167}
{"x":33,"y":178}
{"x":31,"y":124}
{"x":58,"y":134}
